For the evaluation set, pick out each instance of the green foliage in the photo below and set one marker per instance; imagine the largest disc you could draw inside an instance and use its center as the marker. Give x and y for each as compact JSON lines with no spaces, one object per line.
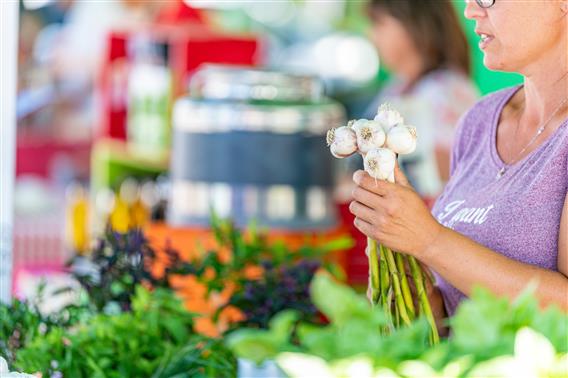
{"x":152,"y":338}
{"x":115,"y":267}
{"x":120,"y":329}
{"x":484,"y":330}
{"x":121,"y":262}
{"x":286,"y":273}
{"x":201,"y":357}
{"x":279,"y":288}
{"x":340,"y":303}
{"x":485,"y":326}
{"x":354,"y":328}
{"x":261,"y":344}
{"x":252,"y":249}
{"x":22,"y":321}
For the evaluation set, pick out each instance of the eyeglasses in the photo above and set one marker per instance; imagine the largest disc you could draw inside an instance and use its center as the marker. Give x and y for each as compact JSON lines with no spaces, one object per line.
{"x":484,"y":3}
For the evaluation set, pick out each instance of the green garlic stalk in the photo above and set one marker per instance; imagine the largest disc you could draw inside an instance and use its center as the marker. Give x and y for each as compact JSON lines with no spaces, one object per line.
{"x":373,"y":270}
{"x":401,"y":266}
{"x":423,"y":298}
{"x":400,"y":300}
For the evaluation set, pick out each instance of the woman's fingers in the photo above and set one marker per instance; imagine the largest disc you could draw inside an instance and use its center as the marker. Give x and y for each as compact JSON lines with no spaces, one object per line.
{"x":380,"y":187}
{"x":361,"y":211}
{"x":367,"y":198}
{"x":364,"y":226}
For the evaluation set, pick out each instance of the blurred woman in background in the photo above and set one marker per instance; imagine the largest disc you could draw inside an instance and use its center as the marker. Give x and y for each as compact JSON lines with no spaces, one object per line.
{"x":423,"y":46}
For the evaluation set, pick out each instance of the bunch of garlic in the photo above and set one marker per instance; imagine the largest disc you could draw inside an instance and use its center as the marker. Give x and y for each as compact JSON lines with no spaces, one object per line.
{"x":378,"y":141}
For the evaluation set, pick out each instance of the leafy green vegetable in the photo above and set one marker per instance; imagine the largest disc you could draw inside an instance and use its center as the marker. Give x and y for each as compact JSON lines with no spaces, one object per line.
{"x":21,"y":322}
{"x":489,"y":336}
{"x":201,"y":357}
{"x":156,"y":336}
{"x":284,"y":287}
{"x":485,"y":326}
{"x":341,"y":304}
{"x":259,"y":345}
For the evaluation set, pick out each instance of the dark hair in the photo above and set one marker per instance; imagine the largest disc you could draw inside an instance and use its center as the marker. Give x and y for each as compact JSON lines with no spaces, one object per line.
{"x":435,"y":29}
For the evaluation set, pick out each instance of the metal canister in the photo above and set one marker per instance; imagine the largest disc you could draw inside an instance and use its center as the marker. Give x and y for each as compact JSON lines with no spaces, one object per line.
{"x":250,"y":145}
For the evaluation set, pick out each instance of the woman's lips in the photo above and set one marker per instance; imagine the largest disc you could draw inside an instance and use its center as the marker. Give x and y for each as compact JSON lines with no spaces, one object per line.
{"x":485,"y":40}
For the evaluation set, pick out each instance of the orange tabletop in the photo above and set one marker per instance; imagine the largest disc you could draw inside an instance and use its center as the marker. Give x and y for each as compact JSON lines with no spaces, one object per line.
{"x":192,"y":242}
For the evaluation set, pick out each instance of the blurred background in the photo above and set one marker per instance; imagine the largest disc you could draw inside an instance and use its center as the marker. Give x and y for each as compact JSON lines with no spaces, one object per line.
{"x":151,"y":114}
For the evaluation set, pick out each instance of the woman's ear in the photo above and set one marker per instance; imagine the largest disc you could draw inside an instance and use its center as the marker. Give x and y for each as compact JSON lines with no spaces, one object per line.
{"x":564,"y":6}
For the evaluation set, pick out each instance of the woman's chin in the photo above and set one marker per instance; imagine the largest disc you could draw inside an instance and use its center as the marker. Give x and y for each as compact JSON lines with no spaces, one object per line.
{"x":494,"y":64}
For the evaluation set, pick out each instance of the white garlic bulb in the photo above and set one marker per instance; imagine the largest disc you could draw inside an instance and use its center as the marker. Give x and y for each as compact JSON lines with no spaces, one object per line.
{"x":370,"y":134}
{"x":402,"y":139}
{"x":342,"y":141}
{"x":388,"y":117}
{"x":379,"y":163}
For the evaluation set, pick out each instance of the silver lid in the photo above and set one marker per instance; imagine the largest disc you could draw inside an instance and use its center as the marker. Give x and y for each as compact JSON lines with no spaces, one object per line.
{"x":202,"y":116}
{"x":238,"y":83}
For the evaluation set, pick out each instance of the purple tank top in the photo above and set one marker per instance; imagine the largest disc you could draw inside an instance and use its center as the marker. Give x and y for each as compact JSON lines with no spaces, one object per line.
{"x":517,"y":215}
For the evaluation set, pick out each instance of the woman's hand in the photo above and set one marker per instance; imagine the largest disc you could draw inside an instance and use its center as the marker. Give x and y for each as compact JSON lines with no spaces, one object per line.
{"x":393,"y":214}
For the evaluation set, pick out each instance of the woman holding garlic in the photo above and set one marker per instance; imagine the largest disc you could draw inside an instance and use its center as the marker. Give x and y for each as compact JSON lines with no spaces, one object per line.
{"x":502,"y":220}
{"x":380,"y":141}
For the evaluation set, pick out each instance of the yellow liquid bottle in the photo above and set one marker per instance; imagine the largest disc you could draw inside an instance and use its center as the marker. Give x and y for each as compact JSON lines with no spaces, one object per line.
{"x":77,"y":219}
{"x":139,"y":214}
{"x":120,"y":216}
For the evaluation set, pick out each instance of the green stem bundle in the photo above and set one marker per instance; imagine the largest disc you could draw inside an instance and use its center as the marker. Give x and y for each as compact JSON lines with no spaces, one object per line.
{"x":390,"y":288}
{"x":400,"y":302}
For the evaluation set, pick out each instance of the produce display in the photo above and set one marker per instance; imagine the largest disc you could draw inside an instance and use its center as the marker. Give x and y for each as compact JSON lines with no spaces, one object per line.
{"x":141,"y":310}
{"x":379,"y":141}
{"x":180,"y":204}
{"x":155,"y":339}
{"x":491,"y":337}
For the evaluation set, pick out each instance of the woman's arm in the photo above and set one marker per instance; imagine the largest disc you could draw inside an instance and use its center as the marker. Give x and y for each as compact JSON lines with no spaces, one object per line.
{"x":478,"y":265}
{"x":395,"y":215}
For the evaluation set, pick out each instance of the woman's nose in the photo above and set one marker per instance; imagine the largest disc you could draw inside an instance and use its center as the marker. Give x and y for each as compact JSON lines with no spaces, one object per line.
{"x":473,"y":10}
